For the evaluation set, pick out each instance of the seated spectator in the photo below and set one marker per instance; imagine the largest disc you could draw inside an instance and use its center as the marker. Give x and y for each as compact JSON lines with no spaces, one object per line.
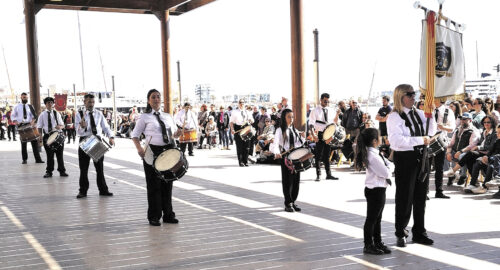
{"x":489,"y":165}
{"x":266,"y":137}
{"x":124,"y":127}
{"x":464,"y":139}
{"x":211,"y":132}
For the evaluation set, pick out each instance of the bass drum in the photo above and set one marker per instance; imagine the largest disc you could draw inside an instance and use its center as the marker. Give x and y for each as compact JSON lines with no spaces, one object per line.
{"x":171,"y":165}
{"x":299,"y":159}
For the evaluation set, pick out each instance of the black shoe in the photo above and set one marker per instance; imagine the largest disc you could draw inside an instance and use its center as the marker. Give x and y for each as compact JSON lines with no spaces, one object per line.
{"x":154,"y":223}
{"x":331,"y":177}
{"x":440,"y":195}
{"x":40,"y":161}
{"x":401,"y":242}
{"x":450,"y":181}
{"x":461,"y":180}
{"x":171,"y":220}
{"x":47,"y":175}
{"x":25,"y":162}
{"x":81,"y":195}
{"x":496,"y":195}
{"x":371,"y":249}
{"x":423,"y":239}
{"x":245,"y":164}
{"x":63,"y":174}
{"x":241,"y":164}
{"x":296,"y":208}
{"x":383,"y":247}
{"x":317,"y":178}
{"x":427,"y":198}
{"x":107,"y":193}
{"x":289,"y":208}
{"x":191,"y":154}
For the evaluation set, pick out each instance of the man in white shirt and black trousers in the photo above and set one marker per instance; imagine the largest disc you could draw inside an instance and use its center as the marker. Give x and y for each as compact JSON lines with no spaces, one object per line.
{"x":239,"y":117}
{"x":186,"y":119}
{"x":49,"y":121}
{"x":24,"y":114}
{"x":445,"y":123}
{"x":319,"y":118}
{"x":93,"y":123}
{"x":405,"y":127}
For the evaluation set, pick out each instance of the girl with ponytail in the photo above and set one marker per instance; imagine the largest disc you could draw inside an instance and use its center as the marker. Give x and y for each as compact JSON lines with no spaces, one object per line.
{"x":377,"y":179}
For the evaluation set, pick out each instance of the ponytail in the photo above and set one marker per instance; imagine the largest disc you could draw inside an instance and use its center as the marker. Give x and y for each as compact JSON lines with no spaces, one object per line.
{"x":364,"y":141}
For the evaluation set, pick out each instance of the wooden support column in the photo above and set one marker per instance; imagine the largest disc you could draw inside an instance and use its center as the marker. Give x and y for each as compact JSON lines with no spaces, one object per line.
{"x":165,"y":55}
{"x":298,"y":90}
{"x":30,"y":11}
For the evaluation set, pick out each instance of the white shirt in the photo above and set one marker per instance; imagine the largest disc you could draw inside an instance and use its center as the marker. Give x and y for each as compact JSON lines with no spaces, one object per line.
{"x":43,"y":120}
{"x":191,"y":122}
{"x":100,"y":123}
{"x":280,"y":143}
{"x":450,"y":120}
{"x":149,"y":125}
{"x":317,"y":117}
{"x":18,"y":115}
{"x":240,"y":118}
{"x":377,"y":170}
{"x":399,"y":134}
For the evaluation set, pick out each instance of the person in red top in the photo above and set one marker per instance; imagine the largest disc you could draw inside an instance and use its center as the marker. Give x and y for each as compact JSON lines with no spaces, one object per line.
{"x":11,"y":126}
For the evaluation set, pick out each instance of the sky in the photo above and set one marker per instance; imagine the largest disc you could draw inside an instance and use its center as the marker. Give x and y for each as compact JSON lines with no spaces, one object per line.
{"x":242,"y":46}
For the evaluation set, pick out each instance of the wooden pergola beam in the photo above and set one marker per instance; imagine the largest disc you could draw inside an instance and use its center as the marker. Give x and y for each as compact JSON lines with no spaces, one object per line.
{"x":189,"y":6}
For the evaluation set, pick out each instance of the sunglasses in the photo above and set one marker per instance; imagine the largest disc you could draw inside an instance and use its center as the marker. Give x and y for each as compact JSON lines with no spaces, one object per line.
{"x":486,"y":122}
{"x":410,"y":94}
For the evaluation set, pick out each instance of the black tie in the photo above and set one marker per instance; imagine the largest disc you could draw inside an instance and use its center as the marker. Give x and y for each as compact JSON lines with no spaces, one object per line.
{"x":243,"y":116}
{"x":326,"y":115}
{"x":291,"y":139}
{"x":24,"y":112}
{"x":163,"y":128}
{"x":415,"y":124}
{"x":387,"y":180}
{"x":50,"y":121}
{"x":436,"y":115}
{"x":92,"y":123}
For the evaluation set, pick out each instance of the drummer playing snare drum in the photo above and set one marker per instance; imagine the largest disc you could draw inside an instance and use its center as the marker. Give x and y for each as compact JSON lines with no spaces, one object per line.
{"x":286,"y":138}
{"x":24,"y":114}
{"x":319,"y":118}
{"x":158,"y":128}
{"x":48,"y":121}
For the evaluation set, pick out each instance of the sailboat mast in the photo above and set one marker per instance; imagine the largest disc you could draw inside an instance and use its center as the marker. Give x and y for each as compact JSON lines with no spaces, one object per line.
{"x":102,"y":69}
{"x":81,"y":51}
{"x":8,"y":76}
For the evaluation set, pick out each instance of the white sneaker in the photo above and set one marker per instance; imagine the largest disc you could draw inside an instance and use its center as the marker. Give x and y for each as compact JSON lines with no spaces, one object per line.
{"x":468,"y":188}
{"x":479,"y":190}
{"x":492,"y":184}
{"x":450,"y":173}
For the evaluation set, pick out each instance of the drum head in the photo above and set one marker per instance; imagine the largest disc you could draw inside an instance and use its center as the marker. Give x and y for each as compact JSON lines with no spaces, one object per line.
{"x":52,"y":138}
{"x":167,"y":160}
{"x":298,"y":153}
{"x":329,"y":131}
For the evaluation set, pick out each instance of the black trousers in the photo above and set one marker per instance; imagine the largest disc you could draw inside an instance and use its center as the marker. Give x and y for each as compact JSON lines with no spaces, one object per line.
{"x":290,"y":183}
{"x":411,"y":193}
{"x":11,"y":128}
{"x":2,"y":132}
{"x":438,"y":174}
{"x":34,"y":146}
{"x":469,"y":159}
{"x":71,"y":133}
{"x":485,"y":168}
{"x":189,"y":146}
{"x":159,"y":191}
{"x":241,"y":148}
{"x":375,"y":202}
{"x":50,"y":157}
{"x":84,"y":162}
{"x":322,"y":154}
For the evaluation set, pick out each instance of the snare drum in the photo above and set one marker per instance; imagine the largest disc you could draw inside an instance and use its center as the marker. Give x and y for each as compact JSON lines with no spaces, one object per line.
{"x":437,"y":146}
{"x":247,"y":132}
{"x":188,"y":136}
{"x":339,"y":136}
{"x":171,"y":164}
{"x":56,"y":140}
{"x":329,"y":132}
{"x":28,"y":133}
{"x":95,"y":147}
{"x":300,"y":159}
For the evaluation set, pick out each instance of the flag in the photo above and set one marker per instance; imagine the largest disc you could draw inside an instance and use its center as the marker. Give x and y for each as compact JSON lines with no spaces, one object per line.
{"x":60,"y":102}
{"x":449,"y":66}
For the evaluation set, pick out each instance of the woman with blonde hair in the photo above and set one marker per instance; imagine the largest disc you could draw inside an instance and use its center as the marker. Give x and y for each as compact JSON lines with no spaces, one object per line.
{"x":406,"y":126}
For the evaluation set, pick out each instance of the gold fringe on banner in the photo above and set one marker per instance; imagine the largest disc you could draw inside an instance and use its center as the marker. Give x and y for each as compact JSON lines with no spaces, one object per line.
{"x":444,"y":98}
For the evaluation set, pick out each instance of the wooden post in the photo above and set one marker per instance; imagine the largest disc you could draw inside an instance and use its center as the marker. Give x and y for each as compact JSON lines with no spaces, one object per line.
{"x":298,"y":90}
{"x":165,"y":53}
{"x":30,"y":11}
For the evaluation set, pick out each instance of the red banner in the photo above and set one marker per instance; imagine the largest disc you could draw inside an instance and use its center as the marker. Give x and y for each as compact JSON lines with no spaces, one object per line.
{"x":60,"y":102}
